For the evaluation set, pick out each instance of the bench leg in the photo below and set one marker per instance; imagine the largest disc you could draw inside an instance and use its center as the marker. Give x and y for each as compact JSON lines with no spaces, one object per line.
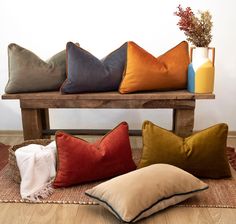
{"x":183,"y":121}
{"x":44,"y":113}
{"x":32,"y":123}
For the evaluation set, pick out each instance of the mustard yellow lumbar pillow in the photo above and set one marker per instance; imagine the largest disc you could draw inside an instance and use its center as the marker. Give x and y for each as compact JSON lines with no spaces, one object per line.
{"x":146,"y":72}
{"x":203,"y":154}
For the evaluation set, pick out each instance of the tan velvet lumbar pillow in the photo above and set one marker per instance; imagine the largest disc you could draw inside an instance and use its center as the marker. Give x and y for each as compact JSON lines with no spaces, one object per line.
{"x":203,"y":154}
{"x":142,"y":192}
{"x":146,"y":72}
{"x":29,"y":73}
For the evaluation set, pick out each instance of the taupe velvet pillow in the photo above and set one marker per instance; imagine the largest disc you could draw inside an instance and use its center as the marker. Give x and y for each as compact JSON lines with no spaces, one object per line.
{"x":29,"y":73}
{"x":140,"y":193}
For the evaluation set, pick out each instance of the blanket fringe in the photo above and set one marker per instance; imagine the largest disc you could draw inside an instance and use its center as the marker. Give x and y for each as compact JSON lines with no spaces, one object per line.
{"x":44,"y":192}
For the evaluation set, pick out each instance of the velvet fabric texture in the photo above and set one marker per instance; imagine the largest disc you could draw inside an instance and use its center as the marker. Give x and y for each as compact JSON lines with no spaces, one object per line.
{"x":29,"y":73}
{"x":86,"y":73}
{"x":138,"y":194}
{"x":203,"y":154}
{"x":80,"y":161}
{"x":146,"y":72}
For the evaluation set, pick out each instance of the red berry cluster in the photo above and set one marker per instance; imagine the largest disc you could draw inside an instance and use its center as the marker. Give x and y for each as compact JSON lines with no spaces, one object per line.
{"x":186,"y":18}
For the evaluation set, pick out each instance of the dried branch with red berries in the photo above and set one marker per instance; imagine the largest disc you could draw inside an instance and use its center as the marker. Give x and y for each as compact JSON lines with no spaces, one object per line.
{"x":196,"y":29}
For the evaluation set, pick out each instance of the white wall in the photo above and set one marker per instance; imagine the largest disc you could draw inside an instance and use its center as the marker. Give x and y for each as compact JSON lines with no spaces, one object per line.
{"x":101,"y":26}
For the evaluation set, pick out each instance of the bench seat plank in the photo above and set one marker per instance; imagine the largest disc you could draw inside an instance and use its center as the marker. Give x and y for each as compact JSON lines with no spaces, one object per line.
{"x":169,"y":95}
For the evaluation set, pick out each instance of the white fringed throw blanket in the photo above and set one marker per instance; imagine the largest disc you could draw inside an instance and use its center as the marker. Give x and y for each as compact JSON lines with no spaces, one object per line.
{"x":37,"y":165}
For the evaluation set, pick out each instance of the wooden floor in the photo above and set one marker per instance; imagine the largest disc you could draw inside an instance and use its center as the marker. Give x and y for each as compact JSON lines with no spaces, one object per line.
{"x":11,"y":213}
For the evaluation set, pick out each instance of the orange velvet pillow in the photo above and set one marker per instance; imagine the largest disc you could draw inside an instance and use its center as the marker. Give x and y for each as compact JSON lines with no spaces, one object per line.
{"x":80,"y":161}
{"x":146,"y":72}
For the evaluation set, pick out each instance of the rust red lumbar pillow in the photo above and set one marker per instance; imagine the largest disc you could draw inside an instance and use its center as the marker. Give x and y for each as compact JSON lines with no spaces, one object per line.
{"x":80,"y":161}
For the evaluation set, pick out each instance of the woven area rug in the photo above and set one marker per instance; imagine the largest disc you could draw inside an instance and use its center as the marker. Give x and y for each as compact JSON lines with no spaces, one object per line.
{"x":221,"y":193}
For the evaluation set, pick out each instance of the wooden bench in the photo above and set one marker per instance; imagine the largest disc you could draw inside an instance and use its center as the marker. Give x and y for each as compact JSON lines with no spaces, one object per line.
{"x":35,"y":108}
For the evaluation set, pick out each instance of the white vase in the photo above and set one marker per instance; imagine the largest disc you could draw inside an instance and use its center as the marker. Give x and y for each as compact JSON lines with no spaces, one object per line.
{"x":201,"y":70}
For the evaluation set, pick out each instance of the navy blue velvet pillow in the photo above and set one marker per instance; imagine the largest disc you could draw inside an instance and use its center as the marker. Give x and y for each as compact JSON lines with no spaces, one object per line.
{"x":86,"y":73}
